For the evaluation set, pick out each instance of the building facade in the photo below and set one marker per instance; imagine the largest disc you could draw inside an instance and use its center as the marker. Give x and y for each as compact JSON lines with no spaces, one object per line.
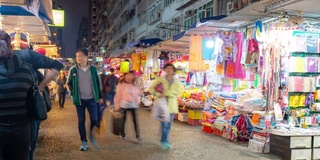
{"x":56,"y":32}
{"x":121,"y":22}
{"x":83,"y":34}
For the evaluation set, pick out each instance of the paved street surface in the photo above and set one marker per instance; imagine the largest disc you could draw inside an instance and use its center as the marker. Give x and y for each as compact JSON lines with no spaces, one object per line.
{"x":59,"y":140}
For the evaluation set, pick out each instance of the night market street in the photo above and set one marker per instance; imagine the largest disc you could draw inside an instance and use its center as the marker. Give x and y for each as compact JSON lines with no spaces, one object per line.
{"x":59,"y":140}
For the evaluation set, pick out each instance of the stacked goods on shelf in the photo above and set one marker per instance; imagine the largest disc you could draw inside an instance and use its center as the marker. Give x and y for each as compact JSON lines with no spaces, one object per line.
{"x":228,"y":114}
{"x":304,"y":89}
{"x":183,"y":117}
{"x":259,"y":142}
{"x":191,"y":103}
{"x":194,"y":117}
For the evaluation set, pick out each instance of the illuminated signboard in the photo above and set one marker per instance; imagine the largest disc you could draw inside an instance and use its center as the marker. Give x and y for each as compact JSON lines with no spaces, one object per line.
{"x":58,"y":18}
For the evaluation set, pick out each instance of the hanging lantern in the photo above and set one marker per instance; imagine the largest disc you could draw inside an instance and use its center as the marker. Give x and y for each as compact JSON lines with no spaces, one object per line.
{"x":1,"y":19}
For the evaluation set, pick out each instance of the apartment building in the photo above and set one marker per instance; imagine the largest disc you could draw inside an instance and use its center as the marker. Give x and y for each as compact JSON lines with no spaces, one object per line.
{"x":124,"y":21}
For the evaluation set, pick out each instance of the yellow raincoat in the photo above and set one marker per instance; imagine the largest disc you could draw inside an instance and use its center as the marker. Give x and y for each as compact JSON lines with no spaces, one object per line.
{"x":170,"y":91}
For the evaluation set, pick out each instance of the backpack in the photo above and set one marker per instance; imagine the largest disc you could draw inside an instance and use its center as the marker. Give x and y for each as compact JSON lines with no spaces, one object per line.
{"x":112,"y":83}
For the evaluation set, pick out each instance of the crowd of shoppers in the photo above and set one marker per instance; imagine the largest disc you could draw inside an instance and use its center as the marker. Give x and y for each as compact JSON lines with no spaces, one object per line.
{"x":88,"y":89}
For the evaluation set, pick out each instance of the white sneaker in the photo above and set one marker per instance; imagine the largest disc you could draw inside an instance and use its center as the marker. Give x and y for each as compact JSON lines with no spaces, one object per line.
{"x":84,"y":146}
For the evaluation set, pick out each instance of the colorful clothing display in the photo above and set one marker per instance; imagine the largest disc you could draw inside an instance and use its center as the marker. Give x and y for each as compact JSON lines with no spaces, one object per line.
{"x":196,"y":62}
{"x":136,"y":62}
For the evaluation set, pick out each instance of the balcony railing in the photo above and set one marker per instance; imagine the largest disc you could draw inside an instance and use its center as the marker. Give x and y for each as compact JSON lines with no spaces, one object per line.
{"x":131,"y":23}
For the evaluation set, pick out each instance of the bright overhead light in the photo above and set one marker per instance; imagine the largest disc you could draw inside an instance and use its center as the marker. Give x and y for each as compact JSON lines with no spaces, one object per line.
{"x":210,"y":44}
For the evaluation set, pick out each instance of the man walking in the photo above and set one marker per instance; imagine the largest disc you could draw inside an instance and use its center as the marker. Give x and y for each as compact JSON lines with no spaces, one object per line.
{"x":110,"y":83}
{"x":85,"y":86}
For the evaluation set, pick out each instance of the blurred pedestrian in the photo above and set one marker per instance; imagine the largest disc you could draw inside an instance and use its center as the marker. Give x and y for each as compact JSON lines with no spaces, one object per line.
{"x":16,"y":79}
{"x":62,"y":89}
{"x":172,"y":88}
{"x":85,"y":86}
{"x":110,"y":83}
{"x":127,"y":100}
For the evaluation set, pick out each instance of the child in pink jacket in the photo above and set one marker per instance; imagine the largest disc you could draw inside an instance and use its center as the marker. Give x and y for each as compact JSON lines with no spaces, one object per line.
{"x":127,"y":98}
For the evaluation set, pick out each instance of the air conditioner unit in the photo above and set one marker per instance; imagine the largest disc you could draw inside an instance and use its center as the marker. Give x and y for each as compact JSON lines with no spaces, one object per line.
{"x":190,"y":13}
{"x":158,"y":15}
{"x":175,"y":20}
{"x":164,"y":34}
{"x":231,"y":6}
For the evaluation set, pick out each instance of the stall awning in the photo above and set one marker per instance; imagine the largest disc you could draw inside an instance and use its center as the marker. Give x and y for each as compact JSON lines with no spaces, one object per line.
{"x":178,"y":36}
{"x":172,"y":46}
{"x":15,"y":11}
{"x":38,"y":8}
{"x":201,"y":22}
{"x":144,"y":43}
{"x":13,"y":2}
{"x":45,"y":11}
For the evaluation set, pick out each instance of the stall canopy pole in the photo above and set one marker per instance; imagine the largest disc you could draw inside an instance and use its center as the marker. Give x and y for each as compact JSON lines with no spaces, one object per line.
{"x":1,"y":19}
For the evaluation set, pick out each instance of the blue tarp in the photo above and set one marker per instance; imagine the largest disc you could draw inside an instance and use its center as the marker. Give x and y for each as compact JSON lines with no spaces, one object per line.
{"x":144,"y":43}
{"x":14,"y":11}
{"x":202,"y":21}
{"x":178,"y":36}
{"x":215,"y":18}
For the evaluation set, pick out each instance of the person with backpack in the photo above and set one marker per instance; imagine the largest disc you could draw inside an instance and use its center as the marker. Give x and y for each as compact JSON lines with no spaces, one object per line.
{"x":15,"y":82}
{"x":110,"y":83}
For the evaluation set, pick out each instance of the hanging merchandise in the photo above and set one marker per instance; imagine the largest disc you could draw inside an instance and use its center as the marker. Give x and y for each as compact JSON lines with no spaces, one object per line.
{"x":236,"y":65}
{"x":144,"y":55}
{"x":136,"y":61}
{"x":252,"y":55}
{"x":208,"y":48}
{"x":196,"y":62}
{"x":125,"y":66}
{"x":259,"y":35}
{"x":220,"y":68}
{"x":228,"y":47}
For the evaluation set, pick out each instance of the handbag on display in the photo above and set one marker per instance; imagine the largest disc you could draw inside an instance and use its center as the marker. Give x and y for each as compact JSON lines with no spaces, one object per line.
{"x":36,"y":105}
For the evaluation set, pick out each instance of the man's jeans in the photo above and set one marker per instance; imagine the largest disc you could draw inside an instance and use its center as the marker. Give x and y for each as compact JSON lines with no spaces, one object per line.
{"x":110,"y":98}
{"x":165,"y":129}
{"x":92,"y":106}
{"x":14,"y":141}
{"x":34,"y":128}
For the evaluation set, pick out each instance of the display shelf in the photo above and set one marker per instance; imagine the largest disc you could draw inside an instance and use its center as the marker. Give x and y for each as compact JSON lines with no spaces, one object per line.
{"x":300,"y":107}
{"x":304,"y":74}
{"x":304,"y":54}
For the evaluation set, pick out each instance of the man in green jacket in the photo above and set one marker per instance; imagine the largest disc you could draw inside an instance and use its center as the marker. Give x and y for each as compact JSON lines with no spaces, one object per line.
{"x":85,"y":86}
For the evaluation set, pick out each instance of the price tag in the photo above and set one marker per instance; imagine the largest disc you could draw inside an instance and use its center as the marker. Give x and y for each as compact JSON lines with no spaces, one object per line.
{"x":302,"y":100}
{"x":230,"y":69}
{"x":220,"y":68}
{"x":308,"y":120}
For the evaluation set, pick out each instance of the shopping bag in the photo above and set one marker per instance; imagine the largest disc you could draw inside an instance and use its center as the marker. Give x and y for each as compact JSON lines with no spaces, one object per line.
{"x":160,"y":110}
{"x":102,"y":121}
{"x":116,"y":121}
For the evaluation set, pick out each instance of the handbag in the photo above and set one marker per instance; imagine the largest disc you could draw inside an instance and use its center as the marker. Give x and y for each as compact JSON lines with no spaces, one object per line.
{"x":36,"y":106}
{"x":46,"y":91}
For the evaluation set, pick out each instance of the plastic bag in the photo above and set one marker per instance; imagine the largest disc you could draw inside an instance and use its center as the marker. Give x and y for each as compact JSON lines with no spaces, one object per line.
{"x":160,"y":110}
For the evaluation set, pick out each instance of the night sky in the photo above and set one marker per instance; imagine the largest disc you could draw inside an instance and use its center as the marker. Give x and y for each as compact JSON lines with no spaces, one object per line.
{"x":74,"y":11}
